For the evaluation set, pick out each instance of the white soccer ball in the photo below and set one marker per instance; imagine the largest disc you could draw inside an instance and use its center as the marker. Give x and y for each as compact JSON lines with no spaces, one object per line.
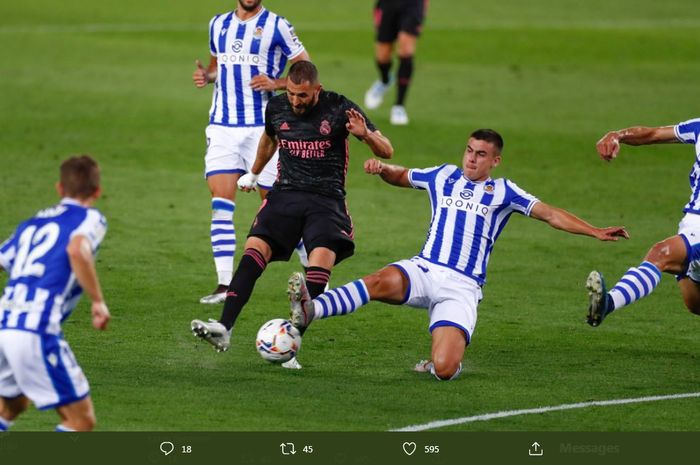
{"x":278,"y":340}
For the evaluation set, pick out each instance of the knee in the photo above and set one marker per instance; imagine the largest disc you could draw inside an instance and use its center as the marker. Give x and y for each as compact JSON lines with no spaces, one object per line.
{"x":86,"y":423}
{"x":83,"y":422}
{"x":446,"y":368}
{"x":660,"y":255}
{"x":379,"y":284}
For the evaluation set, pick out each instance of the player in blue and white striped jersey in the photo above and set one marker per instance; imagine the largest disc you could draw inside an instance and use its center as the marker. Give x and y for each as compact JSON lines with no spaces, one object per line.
{"x":678,"y":255}
{"x":249,"y":48}
{"x":50,"y":261}
{"x":469,"y":211}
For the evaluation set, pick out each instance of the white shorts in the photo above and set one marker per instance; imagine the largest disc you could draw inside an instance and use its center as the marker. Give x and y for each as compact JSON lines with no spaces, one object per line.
{"x":450,"y":297}
{"x":232,"y":150}
{"x":689,"y":229}
{"x":41,"y":367}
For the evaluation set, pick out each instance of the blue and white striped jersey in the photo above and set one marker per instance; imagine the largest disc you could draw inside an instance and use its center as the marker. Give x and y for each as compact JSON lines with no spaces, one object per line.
{"x":42,"y":290}
{"x":467,"y":217}
{"x":688,"y":132}
{"x":243,"y":49}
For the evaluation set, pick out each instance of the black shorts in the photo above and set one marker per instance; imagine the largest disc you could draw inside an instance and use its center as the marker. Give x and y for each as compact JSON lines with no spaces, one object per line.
{"x":392,"y":17}
{"x":287,"y":216}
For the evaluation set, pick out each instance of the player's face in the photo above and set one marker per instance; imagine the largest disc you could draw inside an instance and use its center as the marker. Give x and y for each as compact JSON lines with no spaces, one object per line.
{"x":479,"y":159}
{"x":249,"y":5}
{"x":302,"y":96}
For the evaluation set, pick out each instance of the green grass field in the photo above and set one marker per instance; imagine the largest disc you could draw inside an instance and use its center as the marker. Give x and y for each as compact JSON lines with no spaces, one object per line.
{"x":113,"y":78}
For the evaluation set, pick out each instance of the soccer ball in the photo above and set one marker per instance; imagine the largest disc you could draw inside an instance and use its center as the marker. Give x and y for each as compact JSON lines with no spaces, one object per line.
{"x":278,"y":340}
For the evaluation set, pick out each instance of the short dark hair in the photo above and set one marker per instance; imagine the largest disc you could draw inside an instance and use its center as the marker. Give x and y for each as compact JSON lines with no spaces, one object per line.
{"x":489,"y":135}
{"x":303,"y":71}
{"x":80,"y":176}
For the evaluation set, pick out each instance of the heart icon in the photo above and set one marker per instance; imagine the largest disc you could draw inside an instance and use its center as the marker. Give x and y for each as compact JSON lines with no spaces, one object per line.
{"x":409,"y":447}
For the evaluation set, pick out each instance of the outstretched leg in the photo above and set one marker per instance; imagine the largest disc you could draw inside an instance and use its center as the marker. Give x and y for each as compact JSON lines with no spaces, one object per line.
{"x":250,"y":268}
{"x":670,"y":256}
{"x":387,"y":285}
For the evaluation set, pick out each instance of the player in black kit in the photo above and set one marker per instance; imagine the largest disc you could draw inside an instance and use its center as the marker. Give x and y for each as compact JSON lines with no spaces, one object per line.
{"x":396,"y":22}
{"x":310,"y":127}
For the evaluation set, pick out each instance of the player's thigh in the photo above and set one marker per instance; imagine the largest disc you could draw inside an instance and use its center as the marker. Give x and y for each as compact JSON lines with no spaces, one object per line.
{"x":327,"y":224}
{"x":669,"y":255}
{"x":279,"y":223}
{"x":44,"y":368}
{"x":78,"y":415}
{"x":389,"y":285}
{"x":223,"y":185}
{"x":405,"y":282}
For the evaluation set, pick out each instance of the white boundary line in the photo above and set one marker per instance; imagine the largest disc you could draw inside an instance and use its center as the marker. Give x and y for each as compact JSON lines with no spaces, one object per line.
{"x":554,"y":408}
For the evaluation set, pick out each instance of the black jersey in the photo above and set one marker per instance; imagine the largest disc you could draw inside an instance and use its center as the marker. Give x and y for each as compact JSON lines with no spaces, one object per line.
{"x":313,"y":147}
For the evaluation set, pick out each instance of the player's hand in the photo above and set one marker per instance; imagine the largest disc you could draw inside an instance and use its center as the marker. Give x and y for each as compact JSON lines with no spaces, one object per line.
{"x":609,"y":146}
{"x":199,"y":76}
{"x":263,"y":83}
{"x":248,"y":182}
{"x":612,"y":233}
{"x":373,"y":166}
{"x":100,"y":315}
{"x":356,"y":124}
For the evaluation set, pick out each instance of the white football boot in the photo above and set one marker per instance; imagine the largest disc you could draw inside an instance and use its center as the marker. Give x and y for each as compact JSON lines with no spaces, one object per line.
{"x":292,"y":364}
{"x":216,"y":297}
{"x":375,"y":94}
{"x":213,"y":332}
{"x":302,"y":310}
{"x":399,"y":117}
{"x":424,"y":366}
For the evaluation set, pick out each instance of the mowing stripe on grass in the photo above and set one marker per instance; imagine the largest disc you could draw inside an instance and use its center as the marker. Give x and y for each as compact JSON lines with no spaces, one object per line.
{"x":361,"y":26}
{"x":554,"y":408}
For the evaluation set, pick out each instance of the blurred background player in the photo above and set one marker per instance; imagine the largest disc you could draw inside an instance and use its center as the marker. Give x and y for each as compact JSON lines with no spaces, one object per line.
{"x":678,"y":255}
{"x":395,"y":21}
{"x":249,"y":49}
{"x":310,"y":126}
{"x":469,"y":211}
{"x":50,"y":260}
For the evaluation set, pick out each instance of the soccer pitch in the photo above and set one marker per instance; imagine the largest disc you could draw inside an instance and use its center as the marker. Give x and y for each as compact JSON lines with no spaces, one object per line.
{"x":113,"y":79}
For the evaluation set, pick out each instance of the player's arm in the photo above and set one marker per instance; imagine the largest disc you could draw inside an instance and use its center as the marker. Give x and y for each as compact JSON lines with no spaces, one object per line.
{"x":82,"y":262}
{"x":203,"y":76}
{"x":378,"y":143}
{"x":391,"y":174}
{"x":609,"y":145}
{"x":262,"y":82}
{"x":565,"y":221}
{"x":266,"y":149}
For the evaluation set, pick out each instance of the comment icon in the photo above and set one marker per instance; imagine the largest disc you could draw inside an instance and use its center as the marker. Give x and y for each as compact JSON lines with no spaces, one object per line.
{"x":167,"y":447}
